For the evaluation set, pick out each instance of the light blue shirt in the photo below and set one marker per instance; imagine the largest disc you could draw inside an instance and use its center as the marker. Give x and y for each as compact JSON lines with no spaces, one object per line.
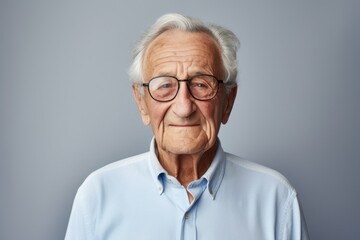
{"x":136,"y":199}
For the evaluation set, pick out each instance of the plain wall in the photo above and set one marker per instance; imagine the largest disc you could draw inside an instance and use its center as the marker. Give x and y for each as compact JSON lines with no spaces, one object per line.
{"x":66,"y":106}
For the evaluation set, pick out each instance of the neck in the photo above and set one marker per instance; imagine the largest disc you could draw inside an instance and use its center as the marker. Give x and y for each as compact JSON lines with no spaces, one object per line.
{"x":186,"y":167}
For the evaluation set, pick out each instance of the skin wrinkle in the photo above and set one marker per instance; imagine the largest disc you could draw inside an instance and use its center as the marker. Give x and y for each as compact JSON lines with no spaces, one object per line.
{"x":166,"y":53}
{"x":185,"y":129}
{"x":192,"y":64}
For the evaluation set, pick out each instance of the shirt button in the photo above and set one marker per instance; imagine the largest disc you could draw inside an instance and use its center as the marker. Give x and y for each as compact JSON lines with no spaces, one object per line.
{"x":186,"y":216}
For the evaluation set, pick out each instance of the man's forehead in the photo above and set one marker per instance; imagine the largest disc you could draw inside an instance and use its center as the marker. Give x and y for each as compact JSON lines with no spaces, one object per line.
{"x":192,"y":69}
{"x":195,"y":50}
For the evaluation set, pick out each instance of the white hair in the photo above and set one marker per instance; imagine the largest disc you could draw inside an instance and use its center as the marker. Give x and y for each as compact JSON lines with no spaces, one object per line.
{"x":227,"y":40}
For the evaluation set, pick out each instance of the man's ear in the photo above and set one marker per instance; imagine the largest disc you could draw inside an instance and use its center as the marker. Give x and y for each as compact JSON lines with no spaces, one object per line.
{"x":228,"y":104}
{"x":140,"y":102}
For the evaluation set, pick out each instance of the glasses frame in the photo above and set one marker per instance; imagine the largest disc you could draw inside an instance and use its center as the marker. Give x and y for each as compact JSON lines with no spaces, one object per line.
{"x":187,"y":84}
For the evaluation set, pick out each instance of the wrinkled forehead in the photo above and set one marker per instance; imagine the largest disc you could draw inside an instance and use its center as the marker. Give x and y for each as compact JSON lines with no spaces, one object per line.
{"x":191,"y":49}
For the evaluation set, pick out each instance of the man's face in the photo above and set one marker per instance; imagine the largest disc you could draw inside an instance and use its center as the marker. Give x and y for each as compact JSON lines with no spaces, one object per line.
{"x":184,"y":125}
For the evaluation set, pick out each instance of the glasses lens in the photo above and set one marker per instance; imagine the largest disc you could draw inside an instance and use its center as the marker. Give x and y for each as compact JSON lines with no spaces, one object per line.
{"x":203,"y":87}
{"x":163,"y":88}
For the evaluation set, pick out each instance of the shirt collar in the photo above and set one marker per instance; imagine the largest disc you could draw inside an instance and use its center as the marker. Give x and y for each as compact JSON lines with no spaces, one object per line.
{"x":213,"y":175}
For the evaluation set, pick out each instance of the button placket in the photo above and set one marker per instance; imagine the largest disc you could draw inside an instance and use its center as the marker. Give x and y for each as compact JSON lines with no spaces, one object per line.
{"x":189,"y":223}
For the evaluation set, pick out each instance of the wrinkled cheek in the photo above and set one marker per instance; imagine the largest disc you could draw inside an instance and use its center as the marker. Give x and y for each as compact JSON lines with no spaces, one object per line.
{"x":205,"y":139}
{"x":158,"y":131}
{"x":211,"y":129}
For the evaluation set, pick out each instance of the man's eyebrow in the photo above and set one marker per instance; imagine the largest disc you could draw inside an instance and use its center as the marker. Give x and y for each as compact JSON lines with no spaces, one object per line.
{"x":200,"y":72}
{"x":165,"y":74}
{"x":190,"y":74}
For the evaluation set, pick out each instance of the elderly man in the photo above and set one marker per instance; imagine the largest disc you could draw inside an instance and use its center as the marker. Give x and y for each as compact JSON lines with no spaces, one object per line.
{"x":186,"y":186}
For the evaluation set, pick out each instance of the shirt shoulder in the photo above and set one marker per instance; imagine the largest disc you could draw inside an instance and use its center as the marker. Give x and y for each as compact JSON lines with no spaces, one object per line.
{"x":130,"y":162}
{"x":121,"y":172}
{"x":257,"y":173}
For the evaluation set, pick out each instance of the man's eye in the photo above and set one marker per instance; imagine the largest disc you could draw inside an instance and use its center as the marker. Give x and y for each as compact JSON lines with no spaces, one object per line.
{"x":165,"y":85}
{"x":200,"y":85}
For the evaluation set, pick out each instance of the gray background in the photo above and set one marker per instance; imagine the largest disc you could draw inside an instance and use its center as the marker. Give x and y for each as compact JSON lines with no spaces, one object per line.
{"x":67,"y":109}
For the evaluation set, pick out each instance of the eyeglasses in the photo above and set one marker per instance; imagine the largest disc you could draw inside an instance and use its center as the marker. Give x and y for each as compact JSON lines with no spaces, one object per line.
{"x":165,"y":88}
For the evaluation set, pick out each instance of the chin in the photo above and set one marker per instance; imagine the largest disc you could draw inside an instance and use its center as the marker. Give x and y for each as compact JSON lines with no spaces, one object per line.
{"x":188,"y":148}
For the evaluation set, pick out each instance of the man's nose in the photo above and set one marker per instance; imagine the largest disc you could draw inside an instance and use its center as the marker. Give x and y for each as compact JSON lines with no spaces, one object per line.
{"x":184,"y":105}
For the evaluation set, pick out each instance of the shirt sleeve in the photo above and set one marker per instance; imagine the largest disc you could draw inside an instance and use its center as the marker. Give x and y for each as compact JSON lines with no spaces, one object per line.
{"x":78,"y":226}
{"x":294,"y":226}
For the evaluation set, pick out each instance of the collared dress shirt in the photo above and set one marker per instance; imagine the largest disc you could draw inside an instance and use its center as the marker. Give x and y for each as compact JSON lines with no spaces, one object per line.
{"x":136,"y":198}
